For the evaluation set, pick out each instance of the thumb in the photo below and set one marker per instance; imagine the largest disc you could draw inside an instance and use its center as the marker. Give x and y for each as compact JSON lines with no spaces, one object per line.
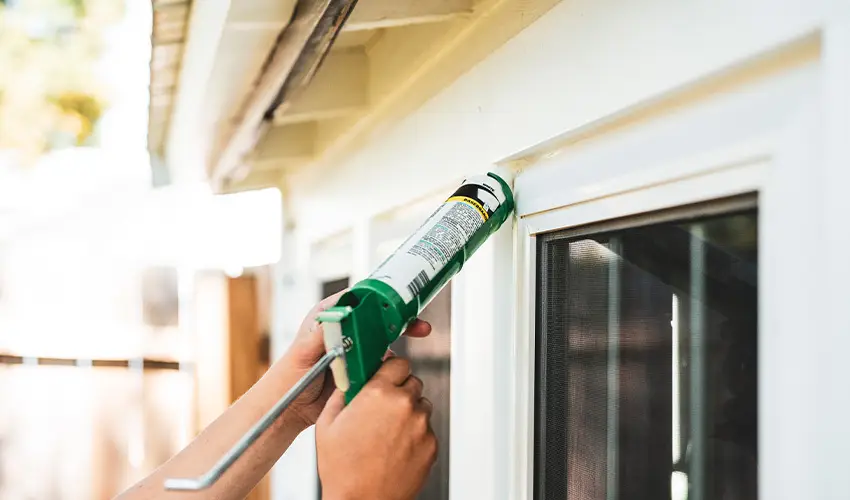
{"x":335,"y":405}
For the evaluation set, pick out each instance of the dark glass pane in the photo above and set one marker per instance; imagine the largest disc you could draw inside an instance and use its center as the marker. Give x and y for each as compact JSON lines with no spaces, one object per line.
{"x":646,"y":379}
{"x":331,"y":287}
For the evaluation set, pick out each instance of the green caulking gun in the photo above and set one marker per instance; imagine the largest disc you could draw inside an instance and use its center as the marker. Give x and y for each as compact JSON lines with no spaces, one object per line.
{"x":359,"y":329}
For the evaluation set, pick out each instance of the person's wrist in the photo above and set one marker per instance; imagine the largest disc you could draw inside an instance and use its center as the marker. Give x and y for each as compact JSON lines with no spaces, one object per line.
{"x":335,"y":495}
{"x":284,"y":375}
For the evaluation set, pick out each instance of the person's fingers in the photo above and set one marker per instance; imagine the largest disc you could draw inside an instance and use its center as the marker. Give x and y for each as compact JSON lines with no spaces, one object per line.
{"x":394,"y":370}
{"x":418,"y":328}
{"x":413,"y":386}
{"x":335,"y":405}
{"x":426,"y":405}
{"x":389,"y":354}
{"x":310,"y":327}
{"x":329,"y":301}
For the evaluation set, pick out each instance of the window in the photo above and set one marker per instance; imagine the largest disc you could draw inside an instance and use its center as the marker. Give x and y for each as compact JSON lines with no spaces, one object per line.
{"x":646,"y":380}
{"x":334,"y":286}
{"x":430,"y":360}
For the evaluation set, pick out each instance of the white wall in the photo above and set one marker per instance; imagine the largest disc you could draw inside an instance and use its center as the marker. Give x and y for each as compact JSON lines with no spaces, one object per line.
{"x":584,"y":63}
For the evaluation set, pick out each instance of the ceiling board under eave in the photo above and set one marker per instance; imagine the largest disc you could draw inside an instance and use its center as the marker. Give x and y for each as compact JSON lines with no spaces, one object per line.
{"x":254,"y":11}
{"x":349,"y":39}
{"x":240,"y":59}
{"x":250,"y":34}
{"x":170,"y":21}
{"x":411,"y":64}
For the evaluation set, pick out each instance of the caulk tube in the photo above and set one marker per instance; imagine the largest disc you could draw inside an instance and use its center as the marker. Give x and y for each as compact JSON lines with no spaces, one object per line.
{"x":377,"y":310}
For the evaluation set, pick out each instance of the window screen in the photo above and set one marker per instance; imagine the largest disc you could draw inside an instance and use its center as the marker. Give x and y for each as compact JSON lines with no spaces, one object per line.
{"x":646,"y":360}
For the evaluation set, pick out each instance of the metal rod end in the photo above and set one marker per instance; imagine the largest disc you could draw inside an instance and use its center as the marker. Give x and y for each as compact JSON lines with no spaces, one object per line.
{"x":207,"y":480}
{"x":187,"y":484}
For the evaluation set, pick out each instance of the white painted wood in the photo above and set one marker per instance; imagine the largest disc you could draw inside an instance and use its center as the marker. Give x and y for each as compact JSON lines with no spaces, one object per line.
{"x":349,"y":39}
{"x":410,"y":65}
{"x":834,"y":412}
{"x":482,"y":325}
{"x":715,"y":131}
{"x":373,"y":14}
{"x":787,"y":202}
{"x":240,"y":136}
{"x":742,"y":179}
{"x":261,"y":10}
{"x":285,"y":143}
{"x":804,"y":298}
{"x":191,"y":133}
{"x":239,"y":60}
{"x":368,"y":15}
{"x":523,"y":356}
{"x":219,"y":66}
{"x":340,"y":87}
{"x":791,"y":178}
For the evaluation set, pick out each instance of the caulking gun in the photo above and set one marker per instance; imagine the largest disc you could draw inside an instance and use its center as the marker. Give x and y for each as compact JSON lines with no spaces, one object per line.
{"x":359,"y":329}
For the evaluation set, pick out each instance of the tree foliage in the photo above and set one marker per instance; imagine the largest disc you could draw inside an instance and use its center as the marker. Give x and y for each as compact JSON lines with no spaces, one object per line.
{"x":50,"y":96}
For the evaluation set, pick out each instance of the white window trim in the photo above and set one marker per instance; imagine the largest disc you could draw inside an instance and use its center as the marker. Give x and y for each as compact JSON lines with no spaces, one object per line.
{"x":777,"y":158}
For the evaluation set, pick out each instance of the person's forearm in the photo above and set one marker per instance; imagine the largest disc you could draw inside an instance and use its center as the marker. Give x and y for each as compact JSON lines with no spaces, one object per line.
{"x":216,"y":439}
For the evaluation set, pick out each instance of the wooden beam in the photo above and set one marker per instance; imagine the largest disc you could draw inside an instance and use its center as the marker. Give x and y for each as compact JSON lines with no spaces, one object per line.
{"x":326,"y":97}
{"x":374,"y":14}
{"x":244,"y":336}
{"x":300,"y":50}
{"x":212,"y":358}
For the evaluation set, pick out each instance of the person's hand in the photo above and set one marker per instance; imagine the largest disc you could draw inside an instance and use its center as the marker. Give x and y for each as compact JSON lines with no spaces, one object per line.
{"x":307,"y":349}
{"x":381,"y":445}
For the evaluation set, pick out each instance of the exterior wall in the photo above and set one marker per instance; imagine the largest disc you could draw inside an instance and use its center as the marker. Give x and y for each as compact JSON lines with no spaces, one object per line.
{"x":598,"y":74}
{"x":582,"y":62}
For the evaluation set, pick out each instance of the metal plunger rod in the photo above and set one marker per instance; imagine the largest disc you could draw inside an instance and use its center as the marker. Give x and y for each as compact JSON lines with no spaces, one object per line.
{"x":211,"y":476}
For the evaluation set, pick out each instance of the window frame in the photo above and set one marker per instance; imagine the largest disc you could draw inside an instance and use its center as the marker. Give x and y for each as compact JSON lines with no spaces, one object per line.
{"x":774,"y":154}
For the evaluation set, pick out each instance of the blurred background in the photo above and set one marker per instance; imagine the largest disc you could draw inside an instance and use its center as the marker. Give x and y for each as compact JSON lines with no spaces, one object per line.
{"x":100,"y":262}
